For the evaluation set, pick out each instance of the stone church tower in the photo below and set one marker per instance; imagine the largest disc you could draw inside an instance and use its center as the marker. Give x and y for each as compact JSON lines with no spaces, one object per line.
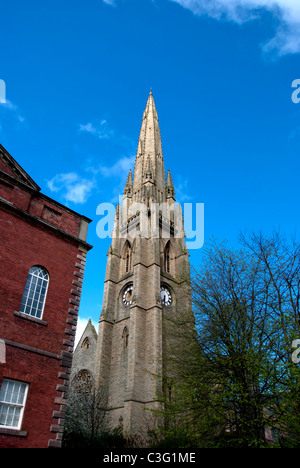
{"x":146,"y":287}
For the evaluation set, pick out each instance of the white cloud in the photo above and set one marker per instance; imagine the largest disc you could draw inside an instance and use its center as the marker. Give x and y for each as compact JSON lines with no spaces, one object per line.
{"x":286,"y":13}
{"x":13,"y":108}
{"x":109,"y":2}
{"x":117,"y":171}
{"x":100,"y":130}
{"x":75,"y":188}
{"x":120,"y":169}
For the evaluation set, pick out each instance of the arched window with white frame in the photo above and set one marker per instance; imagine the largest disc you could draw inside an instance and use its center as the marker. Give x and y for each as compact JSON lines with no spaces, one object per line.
{"x":35,"y":292}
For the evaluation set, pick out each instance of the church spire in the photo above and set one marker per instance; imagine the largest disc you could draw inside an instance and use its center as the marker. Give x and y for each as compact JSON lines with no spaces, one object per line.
{"x":170,"y":190}
{"x":149,"y":154}
{"x":129,"y":178}
{"x":128,"y":186}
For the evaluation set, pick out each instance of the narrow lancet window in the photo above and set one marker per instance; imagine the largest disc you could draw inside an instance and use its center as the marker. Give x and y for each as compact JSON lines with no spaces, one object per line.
{"x":127,"y":258}
{"x":167,"y":258}
{"x":125,"y":337}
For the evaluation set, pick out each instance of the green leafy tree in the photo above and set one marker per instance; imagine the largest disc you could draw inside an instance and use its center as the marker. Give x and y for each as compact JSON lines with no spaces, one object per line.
{"x":235,"y":383}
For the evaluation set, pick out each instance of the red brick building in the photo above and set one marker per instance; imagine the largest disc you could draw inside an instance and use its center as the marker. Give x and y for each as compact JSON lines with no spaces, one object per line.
{"x":42,"y":260}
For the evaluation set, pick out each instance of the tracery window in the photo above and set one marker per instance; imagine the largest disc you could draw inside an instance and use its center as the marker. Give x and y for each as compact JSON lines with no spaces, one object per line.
{"x":86,"y":343}
{"x":83,"y":381}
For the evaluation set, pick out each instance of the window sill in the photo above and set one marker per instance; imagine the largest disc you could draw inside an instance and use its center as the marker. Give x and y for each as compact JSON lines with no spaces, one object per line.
{"x":31,"y":319}
{"x":12,"y":432}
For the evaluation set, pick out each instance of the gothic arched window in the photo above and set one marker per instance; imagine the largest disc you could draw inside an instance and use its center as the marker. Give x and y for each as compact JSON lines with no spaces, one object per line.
{"x":125,"y":337}
{"x":83,"y":381}
{"x":86,"y":343}
{"x":127,"y":258}
{"x":35,"y":292}
{"x":167,"y":258}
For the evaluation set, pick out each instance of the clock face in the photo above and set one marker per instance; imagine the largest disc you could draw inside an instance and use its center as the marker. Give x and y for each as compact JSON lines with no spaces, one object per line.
{"x":166,"y":297}
{"x":127,"y":295}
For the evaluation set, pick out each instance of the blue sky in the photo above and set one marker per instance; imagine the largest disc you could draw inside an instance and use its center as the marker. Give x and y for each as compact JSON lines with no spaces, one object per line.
{"x":78,"y":74}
